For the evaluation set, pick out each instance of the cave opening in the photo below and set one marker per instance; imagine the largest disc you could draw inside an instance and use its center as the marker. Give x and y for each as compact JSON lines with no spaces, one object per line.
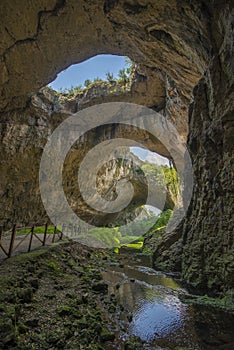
{"x":115,"y":70}
{"x":97,"y":69}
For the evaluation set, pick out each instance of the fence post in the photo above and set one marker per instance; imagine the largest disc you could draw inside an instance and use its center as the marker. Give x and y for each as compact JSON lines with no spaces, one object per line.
{"x":55,"y":230}
{"x":31,"y":238}
{"x":12,"y":241}
{"x":61,"y":236}
{"x":45,"y":233}
{"x":63,"y":229}
{"x":1,"y":231}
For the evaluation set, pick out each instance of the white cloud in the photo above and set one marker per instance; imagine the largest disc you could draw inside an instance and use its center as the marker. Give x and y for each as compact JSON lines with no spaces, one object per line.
{"x":149,"y":156}
{"x":156,"y":159}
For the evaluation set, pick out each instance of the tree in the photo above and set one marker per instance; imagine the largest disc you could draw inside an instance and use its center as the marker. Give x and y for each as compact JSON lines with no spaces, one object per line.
{"x":97,"y":80}
{"x":72,"y":90}
{"x":76,"y":89}
{"x":110,"y":77}
{"x":87,"y":83}
{"x":129,"y":65}
{"x":163,"y":176}
{"x":123,"y":75}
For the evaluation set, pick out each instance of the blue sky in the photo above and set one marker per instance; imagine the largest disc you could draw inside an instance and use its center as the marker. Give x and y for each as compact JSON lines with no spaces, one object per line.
{"x":96,"y":66}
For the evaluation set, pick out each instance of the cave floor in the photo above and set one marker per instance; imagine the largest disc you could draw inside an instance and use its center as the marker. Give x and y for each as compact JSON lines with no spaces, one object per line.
{"x":69,"y":296}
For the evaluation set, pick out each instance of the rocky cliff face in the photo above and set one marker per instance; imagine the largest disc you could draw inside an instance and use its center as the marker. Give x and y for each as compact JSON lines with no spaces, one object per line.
{"x":189,"y":42}
{"x":205,"y":240}
{"x":209,"y":226}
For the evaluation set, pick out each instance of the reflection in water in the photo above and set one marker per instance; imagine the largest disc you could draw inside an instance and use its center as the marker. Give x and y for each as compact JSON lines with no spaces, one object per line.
{"x":152,"y":299}
{"x":156,"y":318}
{"x":158,"y":315}
{"x":146,"y":275}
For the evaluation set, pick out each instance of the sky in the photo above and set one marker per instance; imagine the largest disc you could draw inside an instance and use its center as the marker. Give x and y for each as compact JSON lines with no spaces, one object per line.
{"x":96,"y":66}
{"x":149,"y":156}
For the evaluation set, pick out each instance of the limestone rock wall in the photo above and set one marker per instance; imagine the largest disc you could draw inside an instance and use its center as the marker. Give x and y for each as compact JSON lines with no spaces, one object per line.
{"x":208,"y":245}
{"x":207,"y":248}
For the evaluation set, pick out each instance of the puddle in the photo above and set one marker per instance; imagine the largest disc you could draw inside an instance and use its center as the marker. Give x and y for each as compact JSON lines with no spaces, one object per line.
{"x":151,"y":303}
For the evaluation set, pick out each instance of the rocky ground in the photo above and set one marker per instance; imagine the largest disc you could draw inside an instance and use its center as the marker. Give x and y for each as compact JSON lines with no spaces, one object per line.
{"x":55,"y":298}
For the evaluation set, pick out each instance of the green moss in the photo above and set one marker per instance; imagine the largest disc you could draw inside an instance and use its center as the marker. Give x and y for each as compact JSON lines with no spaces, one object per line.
{"x":106,"y":336}
{"x":226,"y":302}
{"x":137,"y":245}
{"x":29,"y":257}
{"x":71,"y":262}
{"x":54,"y":266}
{"x":68,"y":309}
{"x":25,"y":295}
{"x":64,"y":310}
{"x":133,"y":343}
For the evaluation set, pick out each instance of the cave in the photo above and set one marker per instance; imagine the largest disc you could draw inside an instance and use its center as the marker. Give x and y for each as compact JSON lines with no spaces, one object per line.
{"x":183,"y":51}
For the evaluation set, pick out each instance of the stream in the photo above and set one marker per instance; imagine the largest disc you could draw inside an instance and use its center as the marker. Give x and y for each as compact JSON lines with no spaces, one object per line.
{"x":152,"y":309}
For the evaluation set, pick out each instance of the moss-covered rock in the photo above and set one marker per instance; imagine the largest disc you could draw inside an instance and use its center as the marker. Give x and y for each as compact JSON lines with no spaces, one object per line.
{"x":106,"y":336}
{"x":54,"y":306}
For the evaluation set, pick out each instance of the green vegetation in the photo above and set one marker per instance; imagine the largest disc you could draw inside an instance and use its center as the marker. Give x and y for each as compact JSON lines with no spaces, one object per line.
{"x":128,"y":239}
{"x":137,"y":245}
{"x":73,"y":90}
{"x":163,"y":175}
{"x":38,"y":230}
{"x":123,"y":76}
{"x":142,"y":226}
{"x":110,"y":77}
{"x":130,"y":235}
{"x":87,"y":83}
{"x":114,"y":237}
{"x":106,"y":237}
{"x":162,"y":220}
{"x":129,"y":66}
{"x":156,"y":232}
{"x":137,"y":228}
{"x":223,"y":302}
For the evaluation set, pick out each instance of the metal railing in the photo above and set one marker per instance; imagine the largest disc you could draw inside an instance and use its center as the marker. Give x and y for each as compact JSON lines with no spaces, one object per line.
{"x":12,"y":240}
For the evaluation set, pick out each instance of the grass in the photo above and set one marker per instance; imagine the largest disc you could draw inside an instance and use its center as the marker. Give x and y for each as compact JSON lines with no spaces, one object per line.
{"x":136,"y":245}
{"x":130,"y":239}
{"x":160,"y":228}
{"x":37,"y":230}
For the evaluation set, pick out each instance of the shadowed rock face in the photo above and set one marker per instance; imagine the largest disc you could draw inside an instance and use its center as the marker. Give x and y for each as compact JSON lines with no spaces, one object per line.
{"x":191,"y":42}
